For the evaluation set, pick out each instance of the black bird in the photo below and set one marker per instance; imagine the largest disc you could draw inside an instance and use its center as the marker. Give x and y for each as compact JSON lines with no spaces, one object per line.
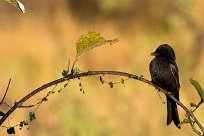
{"x":164,"y":73}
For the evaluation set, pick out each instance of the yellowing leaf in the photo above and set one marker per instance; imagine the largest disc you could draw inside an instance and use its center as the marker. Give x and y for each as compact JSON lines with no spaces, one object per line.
{"x":17,"y":4}
{"x":89,"y":41}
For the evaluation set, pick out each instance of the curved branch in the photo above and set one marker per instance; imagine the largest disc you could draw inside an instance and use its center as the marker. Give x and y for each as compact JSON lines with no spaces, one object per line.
{"x":5,"y":92}
{"x":90,"y":73}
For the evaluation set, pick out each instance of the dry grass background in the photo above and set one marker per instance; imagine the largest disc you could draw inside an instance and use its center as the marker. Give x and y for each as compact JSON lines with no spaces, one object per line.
{"x":35,"y":47}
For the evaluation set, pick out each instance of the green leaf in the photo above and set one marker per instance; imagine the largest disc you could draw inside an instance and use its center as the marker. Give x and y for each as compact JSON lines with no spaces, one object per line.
{"x":198,"y":88}
{"x":25,"y":123}
{"x":65,"y":85}
{"x":2,"y":113}
{"x":75,"y":71}
{"x":185,"y":121}
{"x":11,"y":130}
{"x":111,"y":84}
{"x":89,"y":41}
{"x":32,"y":116}
{"x":122,"y":81}
{"x":193,"y":104}
{"x":44,"y":99}
{"x":101,"y":80}
{"x":17,"y":4}
{"x":59,"y":91}
{"x":21,"y":123}
{"x":65,"y":73}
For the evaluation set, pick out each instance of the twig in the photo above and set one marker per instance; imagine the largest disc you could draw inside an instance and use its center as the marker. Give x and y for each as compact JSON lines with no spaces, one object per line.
{"x":189,"y":114}
{"x":91,"y":73}
{"x":5,"y":91}
{"x":68,"y":65}
{"x":74,"y":63}
{"x":7,"y":105}
{"x":193,"y":128}
{"x":29,"y":106}
{"x":198,"y":105}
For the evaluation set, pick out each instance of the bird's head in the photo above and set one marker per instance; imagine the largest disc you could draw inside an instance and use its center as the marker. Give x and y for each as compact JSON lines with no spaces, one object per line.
{"x":164,"y":50}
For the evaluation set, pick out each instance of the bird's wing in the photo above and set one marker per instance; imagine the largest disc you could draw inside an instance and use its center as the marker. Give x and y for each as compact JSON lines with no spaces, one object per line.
{"x":174,"y":71}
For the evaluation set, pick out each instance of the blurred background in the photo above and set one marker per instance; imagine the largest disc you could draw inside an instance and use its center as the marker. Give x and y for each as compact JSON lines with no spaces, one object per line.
{"x":35,"y":48}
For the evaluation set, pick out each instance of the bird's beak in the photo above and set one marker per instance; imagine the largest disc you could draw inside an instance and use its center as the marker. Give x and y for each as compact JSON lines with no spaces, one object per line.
{"x":154,"y":54}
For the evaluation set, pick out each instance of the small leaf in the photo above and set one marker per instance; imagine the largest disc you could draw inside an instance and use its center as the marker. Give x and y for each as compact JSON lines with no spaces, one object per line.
{"x":198,"y":88}
{"x":11,"y":130}
{"x":44,"y":99}
{"x":65,"y":85}
{"x":101,"y":80}
{"x":21,"y":123}
{"x":2,"y":113}
{"x":122,"y":81}
{"x":32,"y":116}
{"x":75,"y":71}
{"x":193,"y":104}
{"x":59,"y":91}
{"x":25,"y":123}
{"x":111,"y":84}
{"x":17,"y":4}
{"x":89,"y":41}
{"x":185,"y":121}
{"x":65,"y":73}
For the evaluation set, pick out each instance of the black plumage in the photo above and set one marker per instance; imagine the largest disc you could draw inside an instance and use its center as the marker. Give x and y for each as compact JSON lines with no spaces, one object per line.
{"x":164,"y":73}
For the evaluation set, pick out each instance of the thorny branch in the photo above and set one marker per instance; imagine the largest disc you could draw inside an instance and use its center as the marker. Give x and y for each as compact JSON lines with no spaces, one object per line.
{"x":189,"y":113}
